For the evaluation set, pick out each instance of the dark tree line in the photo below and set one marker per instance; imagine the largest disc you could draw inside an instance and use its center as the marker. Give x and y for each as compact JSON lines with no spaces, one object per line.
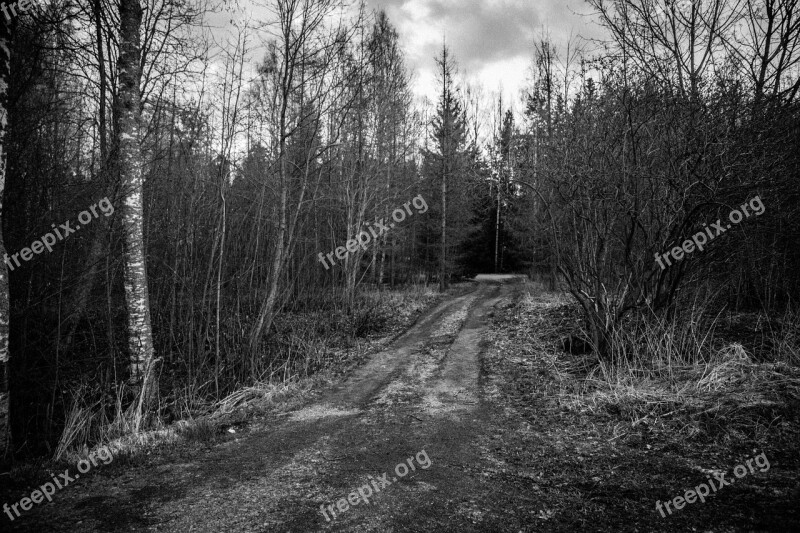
{"x":688,"y":113}
{"x":227,"y":188}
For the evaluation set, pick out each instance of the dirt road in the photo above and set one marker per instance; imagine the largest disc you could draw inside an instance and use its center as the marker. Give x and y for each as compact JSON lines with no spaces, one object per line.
{"x":419,"y":403}
{"x":460,"y":425}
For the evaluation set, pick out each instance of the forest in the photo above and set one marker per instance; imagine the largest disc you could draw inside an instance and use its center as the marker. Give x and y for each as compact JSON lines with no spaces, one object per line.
{"x":189,"y":220}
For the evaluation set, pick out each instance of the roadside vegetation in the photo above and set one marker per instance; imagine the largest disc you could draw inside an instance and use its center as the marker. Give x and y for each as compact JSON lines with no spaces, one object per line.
{"x":677,"y":399}
{"x":313,"y":349}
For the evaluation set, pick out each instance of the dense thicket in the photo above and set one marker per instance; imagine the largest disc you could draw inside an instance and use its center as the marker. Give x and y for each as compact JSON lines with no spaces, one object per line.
{"x":246,"y":184}
{"x":688,"y":114}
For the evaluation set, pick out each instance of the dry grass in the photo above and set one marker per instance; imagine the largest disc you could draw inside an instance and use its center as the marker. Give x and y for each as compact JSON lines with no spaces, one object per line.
{"x":306,"y":344}
{"x":261,"y":394}
{"x":77,"y":426}
{"x":675,"y":375}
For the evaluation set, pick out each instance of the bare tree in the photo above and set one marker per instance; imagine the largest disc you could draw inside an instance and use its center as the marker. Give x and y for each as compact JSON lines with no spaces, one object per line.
{"x":131,"y":165}
{"x":300,"y":68}
{"x":5,"y":308}
{"x":678,"y":43}
{"x":766,"y":47}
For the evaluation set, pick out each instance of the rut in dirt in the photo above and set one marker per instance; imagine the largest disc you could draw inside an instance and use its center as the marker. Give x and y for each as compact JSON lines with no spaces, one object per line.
{"x":421,"y":395}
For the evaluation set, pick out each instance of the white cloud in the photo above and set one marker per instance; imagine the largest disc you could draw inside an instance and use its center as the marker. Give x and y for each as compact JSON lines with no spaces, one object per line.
{"x":491,"y":40}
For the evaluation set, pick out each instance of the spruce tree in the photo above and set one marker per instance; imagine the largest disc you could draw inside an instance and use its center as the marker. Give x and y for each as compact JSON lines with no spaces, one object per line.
{"x":446,"y":168}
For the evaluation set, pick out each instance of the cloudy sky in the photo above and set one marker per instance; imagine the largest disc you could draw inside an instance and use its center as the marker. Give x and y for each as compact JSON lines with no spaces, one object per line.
{"x":490,"y":39}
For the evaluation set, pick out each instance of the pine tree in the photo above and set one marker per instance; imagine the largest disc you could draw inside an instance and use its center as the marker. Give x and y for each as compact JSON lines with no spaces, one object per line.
{"x":447,"y":163}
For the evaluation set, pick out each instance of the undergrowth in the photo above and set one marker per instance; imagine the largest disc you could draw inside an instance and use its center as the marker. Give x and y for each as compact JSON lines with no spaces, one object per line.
{"x":303,"y":344}
{"x":680,"y":375}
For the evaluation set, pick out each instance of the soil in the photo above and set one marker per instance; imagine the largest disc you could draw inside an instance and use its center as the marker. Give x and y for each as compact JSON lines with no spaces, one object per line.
{"x":459,"y":394}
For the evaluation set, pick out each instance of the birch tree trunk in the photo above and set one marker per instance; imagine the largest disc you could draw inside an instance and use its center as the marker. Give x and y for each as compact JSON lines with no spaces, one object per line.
{"x":301,"y":49}
{"x":5,"y":307}
{"x":140,"y":337}
{"x":267,"y":311}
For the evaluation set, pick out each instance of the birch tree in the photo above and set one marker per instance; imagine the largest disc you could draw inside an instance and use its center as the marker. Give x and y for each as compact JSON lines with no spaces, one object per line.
{"x":5,"y":308}
{"x":299,"y":69}
{"x":131,"y":165}
{"x":391,"y":103}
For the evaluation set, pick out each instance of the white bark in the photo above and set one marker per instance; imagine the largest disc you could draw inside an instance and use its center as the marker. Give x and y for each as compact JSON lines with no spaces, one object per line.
{"x":140,"y":338}
{"x":5,"y":307}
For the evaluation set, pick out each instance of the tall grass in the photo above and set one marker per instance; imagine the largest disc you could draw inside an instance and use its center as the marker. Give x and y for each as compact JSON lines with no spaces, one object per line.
{"x":303,"y":344}
{"x":662,"y":346}
{"x":685,"y":369}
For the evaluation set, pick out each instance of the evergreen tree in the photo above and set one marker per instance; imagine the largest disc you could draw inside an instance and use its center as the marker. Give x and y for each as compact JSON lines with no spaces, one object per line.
{"x":490,"y":245}
{"x":447,"y":166}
